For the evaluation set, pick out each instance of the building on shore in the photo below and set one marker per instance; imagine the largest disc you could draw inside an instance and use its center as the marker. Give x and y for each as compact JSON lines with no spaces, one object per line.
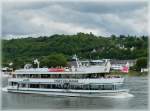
{"x":118,"y":64}
{"x":144,"y":69}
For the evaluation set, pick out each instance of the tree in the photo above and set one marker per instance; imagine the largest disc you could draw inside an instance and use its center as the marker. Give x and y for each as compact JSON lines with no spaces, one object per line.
{"x":113,"y":36}
{"x":141,"y":63}
{"x":22,"y":50}
{"x":54,"y":60}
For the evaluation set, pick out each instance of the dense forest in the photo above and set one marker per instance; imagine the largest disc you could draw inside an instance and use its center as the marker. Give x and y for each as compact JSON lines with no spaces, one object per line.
{"x":86,"y":46}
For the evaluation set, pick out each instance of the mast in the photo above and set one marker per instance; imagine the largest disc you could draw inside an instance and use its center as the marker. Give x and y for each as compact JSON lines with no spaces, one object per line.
{"x":37,"y":62}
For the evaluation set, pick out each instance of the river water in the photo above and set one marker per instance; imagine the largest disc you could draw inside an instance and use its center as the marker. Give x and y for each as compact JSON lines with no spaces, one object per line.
{"x":138,"y":87}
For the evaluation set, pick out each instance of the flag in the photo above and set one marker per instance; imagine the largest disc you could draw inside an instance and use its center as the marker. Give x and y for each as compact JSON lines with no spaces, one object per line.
{"x":125,"y":69}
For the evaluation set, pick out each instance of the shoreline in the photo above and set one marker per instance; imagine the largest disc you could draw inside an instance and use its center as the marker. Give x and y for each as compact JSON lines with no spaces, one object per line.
{"x":130,"y":73}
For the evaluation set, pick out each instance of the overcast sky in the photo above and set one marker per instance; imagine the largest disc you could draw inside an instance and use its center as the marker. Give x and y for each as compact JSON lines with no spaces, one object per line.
{"x":100,"y":18}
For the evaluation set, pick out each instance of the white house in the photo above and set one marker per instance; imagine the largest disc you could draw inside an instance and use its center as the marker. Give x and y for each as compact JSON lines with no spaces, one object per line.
{"x":118,"y":64}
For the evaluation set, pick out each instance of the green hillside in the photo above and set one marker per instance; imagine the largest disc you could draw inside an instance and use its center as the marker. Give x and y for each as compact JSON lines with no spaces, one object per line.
{"x":86,"y":46}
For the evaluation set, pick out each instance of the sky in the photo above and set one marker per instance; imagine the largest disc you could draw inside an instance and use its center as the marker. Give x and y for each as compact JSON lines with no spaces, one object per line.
{"x":48,"y":18}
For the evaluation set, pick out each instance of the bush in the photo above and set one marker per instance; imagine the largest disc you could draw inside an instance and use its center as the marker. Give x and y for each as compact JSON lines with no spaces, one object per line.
{"x":141,"y":63}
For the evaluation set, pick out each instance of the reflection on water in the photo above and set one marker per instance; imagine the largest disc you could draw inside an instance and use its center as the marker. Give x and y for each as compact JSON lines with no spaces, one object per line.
{"x":138,"y":87}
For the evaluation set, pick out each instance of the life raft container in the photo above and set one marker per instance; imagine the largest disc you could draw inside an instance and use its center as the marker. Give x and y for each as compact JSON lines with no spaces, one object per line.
{"x":56,"y":70}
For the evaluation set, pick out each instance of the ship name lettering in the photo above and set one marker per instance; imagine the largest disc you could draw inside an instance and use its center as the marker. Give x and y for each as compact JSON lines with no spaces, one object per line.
{"x":65,"y":81}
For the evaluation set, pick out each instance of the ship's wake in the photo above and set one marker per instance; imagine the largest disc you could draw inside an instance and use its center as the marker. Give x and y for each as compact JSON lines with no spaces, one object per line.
{"x":123,"y":95}
{"x":4,"y":89}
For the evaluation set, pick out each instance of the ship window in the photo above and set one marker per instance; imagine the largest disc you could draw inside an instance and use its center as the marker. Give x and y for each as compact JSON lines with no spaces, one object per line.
{"x":19,"y":76}
{"x":59,"y":76}
{"x":101,"y":87}
{"x":78,"y":87}
{"x":48,"y":86}
{"x":45,"y":76}
{"x":78,"y":76}
{"x":33,"y":75}
{"x":86,"y":87}
{"x":72,"y":87}
{"x":119,"y":86}
{"x":108,"y":87}
{"x":44,"y":86}
{"x":14,"y":76}
{"x":23,"y":85}
{"x":34,"y":85}
{"x":94,"y":87}
{"x":14,"y":83}
{"x":51,"y":86}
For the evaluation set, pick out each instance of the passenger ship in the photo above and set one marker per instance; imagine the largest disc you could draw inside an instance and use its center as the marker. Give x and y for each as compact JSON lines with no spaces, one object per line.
{"x":85,"y":78}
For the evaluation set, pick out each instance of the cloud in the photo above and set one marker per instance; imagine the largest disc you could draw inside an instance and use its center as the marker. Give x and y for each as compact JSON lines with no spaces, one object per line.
{"x":100,"y":18}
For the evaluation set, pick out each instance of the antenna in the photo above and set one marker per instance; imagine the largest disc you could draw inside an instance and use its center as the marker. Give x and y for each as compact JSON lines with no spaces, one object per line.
{"x":76,"y":59}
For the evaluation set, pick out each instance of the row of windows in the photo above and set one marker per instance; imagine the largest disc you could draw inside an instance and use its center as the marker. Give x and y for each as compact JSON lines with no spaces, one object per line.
{"x":68,"y":86}
{"x":78,"y":76}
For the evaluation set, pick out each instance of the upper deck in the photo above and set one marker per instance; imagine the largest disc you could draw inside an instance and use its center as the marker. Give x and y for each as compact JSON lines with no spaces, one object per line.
{"x":80,"y":70}
{"x":77,"y":67}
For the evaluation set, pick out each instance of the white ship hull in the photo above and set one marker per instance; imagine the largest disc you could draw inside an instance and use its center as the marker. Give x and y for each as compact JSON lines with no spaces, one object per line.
{"x":84,"y":80}
{"x":73,"y":93}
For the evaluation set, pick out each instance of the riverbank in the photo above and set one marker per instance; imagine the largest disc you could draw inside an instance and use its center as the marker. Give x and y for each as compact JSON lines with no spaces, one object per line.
{"x":130,"y":73}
